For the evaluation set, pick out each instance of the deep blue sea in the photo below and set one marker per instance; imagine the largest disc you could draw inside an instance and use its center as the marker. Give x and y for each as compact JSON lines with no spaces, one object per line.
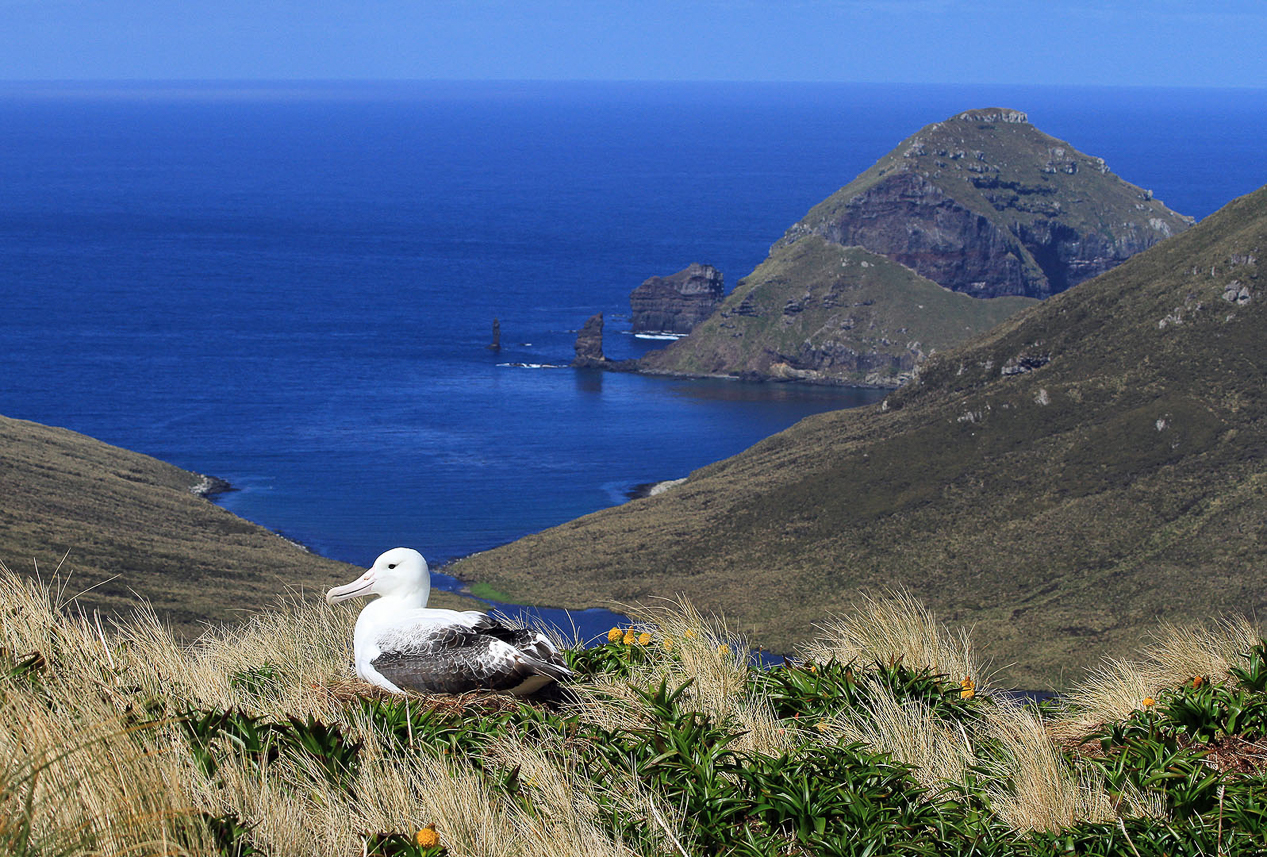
{"x":291,"y":286}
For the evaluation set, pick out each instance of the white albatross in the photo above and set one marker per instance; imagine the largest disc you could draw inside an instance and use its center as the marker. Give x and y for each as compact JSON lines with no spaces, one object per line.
{"x":401,"y":644}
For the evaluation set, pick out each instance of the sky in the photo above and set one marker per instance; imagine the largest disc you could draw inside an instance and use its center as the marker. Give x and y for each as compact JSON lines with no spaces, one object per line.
{"x":1071,"y":42}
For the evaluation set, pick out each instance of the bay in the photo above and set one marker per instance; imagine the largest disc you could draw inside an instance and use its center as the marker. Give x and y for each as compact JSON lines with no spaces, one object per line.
{"x":291,"y":285}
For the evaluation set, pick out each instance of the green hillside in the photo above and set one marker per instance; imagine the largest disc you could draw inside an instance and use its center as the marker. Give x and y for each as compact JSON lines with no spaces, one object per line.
{"x":815,"y":311}
{"x":1091,"y":468}
{"x":986,"y":203}
{"x":129,"y":525}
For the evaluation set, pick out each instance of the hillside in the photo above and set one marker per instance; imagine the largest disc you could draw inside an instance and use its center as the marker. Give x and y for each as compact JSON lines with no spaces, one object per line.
{"x":818,"y":312}
{"x":985,"y":203}
{"x":1090,"y":468}
{"x":129,"y":525}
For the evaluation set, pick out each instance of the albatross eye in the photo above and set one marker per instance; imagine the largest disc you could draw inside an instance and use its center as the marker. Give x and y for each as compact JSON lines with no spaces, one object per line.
{"x":392,"y":565}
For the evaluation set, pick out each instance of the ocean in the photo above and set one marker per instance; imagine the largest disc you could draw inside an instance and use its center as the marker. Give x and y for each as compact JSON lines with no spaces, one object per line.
{"x":290,"y":286}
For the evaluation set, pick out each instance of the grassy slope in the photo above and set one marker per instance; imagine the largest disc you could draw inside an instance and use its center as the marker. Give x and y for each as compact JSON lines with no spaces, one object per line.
{"x":131,"y":525}
{"x":1062,"y":513}
{"x":846,"y":296}
{"x":256,"y":740}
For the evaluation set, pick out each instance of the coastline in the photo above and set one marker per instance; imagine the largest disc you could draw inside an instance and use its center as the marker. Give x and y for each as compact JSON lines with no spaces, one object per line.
{"x":210,"y":487}
{"x":651,"y":489}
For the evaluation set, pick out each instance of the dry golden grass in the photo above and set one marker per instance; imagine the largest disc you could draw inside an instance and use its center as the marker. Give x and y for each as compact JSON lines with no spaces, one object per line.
{"x":909,"y":731}
{"x":1176,"y":655}
{"x":77,"y":777}
{"x":115,"y":789}
{"x":893,"y":627}
{"x":689,"y":647}
{"x":1034,"y":787}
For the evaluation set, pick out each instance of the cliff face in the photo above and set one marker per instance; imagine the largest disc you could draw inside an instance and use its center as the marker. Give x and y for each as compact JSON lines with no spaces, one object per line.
{"x":818,"y":312}
{"x":985,"y":203}
{"x":675,"y":304}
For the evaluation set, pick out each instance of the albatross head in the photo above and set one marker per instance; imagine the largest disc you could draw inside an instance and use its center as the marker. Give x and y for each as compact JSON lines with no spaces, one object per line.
{"x":398,"y":573}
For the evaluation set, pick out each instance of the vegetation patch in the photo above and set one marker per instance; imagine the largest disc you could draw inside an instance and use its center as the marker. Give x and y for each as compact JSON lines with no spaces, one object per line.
{"x":256,"y":741}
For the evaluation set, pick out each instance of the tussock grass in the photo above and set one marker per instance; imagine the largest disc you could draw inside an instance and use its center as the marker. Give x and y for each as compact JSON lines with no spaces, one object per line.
{"x":689,"y":649}
{"x":77,"y":774}
{"x":1175,"y":655}
{"x":97,"y":758}
{"x":896,"y":627}
{"x":1034,"y":787}
{"x":908,"y":730}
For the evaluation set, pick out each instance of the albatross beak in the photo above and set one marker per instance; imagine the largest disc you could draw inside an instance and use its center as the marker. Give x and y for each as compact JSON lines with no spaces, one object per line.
{"x":360,"y":586}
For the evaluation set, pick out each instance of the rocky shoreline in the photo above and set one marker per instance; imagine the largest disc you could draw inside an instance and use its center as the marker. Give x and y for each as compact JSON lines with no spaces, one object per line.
{"x":210,"y":487}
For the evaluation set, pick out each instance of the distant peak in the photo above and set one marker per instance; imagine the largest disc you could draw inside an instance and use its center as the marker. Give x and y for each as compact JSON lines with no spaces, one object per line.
{"x":994,"y":114}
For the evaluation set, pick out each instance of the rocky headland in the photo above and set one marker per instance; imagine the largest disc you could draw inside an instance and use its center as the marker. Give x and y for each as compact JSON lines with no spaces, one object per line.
{"x":987,"y":204}
{"x":820,"y":313}
{"x":678,"y":302}
{"x":860,"y":290}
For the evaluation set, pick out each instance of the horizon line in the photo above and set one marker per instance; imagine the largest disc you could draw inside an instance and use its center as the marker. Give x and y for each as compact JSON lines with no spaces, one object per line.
{"x":372,"y":81}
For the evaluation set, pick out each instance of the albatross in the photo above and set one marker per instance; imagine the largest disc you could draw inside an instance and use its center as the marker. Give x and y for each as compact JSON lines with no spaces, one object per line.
{"x":402,"y":644}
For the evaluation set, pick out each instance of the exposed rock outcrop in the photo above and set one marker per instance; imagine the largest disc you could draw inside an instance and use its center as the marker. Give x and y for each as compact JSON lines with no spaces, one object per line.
{"x":985,"y":203}
{"x":589,"y":344}
{"x":675,"y":304}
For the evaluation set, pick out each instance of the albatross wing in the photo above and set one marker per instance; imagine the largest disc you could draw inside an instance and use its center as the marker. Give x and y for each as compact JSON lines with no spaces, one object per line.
{"x":454,"y":657}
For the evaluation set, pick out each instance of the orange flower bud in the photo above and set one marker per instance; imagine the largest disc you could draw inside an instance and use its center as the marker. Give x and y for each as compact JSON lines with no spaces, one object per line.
{"x":427,"y":837}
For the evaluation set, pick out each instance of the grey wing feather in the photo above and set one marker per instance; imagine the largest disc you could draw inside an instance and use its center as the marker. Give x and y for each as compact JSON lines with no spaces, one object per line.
{"x":456,"y":658}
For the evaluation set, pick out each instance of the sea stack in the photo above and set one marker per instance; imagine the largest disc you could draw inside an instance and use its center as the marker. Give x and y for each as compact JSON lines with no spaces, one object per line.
{"x":589,"y":344}
{"x":678,"y":302}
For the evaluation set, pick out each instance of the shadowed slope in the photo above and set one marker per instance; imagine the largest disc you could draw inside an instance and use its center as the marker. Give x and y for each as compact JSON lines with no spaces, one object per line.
{"x":132,"y":526}
{"x":1089,"y":467}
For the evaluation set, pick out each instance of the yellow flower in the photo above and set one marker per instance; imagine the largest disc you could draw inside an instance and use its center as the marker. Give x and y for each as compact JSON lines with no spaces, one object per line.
{"x":690,"y":635}
{"x":614,"y":635}
{"x":723,"y":649}
{"x":630,"y":637}
{"x":427,"y":837}
{"x":813,"y":668}
{"x":1197,"y":681}
{"x":644,"y":638}
{"x":668,"y":644}
{"x":821,"y":726}
{"x":969,"y":688}
{"x":1149,"y":702}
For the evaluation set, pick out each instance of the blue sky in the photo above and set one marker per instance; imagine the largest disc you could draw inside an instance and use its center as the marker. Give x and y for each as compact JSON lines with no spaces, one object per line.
{"x":1107,"y":42}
